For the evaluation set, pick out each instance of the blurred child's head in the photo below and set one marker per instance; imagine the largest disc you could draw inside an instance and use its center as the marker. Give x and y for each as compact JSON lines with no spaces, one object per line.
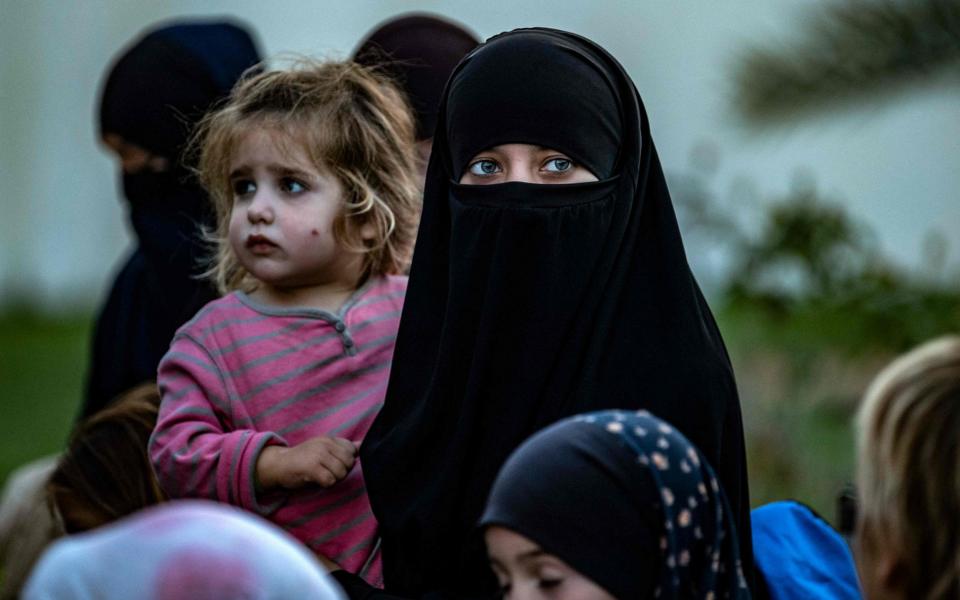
{"x":664,"y":527}
{"x":335,"y":120}
{"x":908,"y":462}
{"x":105,"y":472}
{"x":182,"y":550}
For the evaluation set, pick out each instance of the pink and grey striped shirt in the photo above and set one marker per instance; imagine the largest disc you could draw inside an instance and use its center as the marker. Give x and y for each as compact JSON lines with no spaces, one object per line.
{"x":240,"y":376}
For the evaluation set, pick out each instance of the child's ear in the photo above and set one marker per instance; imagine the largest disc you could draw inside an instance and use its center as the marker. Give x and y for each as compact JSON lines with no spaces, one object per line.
{"x":885,"y":575}
{"x":880,"y":564}
{"x":891,"y":574}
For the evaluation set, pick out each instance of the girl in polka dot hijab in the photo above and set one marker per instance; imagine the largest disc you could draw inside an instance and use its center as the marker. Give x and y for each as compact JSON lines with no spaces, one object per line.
{"x":620,"y":500}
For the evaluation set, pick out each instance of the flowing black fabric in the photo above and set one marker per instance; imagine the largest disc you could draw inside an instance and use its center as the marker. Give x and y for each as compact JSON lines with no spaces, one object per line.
{"x":419,"y":51}
{"x":530,"y":303}
{"x":154,"y":93}
{"x":625,"y":500}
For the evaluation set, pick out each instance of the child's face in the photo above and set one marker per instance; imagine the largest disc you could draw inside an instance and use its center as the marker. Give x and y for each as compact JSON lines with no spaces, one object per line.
{"x":523,"y":162}
{"x":527,"y":572}
{"x":281,"y":223}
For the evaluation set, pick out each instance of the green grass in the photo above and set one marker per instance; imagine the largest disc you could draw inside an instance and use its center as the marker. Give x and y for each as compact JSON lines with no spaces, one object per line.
{"x":43,"y":362}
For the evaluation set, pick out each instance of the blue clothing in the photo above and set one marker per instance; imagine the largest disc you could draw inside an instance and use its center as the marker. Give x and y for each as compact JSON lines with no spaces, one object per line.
{"x":800,"y":555}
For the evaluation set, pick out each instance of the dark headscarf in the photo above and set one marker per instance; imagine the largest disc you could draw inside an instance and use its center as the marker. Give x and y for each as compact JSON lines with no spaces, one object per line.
{"x":419,"y":51}
{"x":164,"y":83}
{"x":625,"y":500}
{"x":154,"y":94}
{"x":530,"y":303}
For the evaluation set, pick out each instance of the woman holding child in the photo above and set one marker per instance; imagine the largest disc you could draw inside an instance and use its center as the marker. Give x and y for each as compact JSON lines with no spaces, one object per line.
{"x":549,"y":279}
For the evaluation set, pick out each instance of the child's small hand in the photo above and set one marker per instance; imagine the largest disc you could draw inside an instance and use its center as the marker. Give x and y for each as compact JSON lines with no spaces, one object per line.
{"x":322,"y":460}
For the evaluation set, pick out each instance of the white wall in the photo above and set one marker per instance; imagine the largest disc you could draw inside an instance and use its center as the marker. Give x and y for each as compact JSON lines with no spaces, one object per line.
{"x":62,"y":234}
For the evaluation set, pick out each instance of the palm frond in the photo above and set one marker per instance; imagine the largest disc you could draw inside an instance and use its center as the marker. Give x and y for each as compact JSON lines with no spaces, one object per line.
{"x":849,"y":53}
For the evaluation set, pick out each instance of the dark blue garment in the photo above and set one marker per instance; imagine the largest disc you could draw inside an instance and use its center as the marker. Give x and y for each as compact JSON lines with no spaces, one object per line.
{"x":800,"y":555}
{"x":167,"y":79}
{"x":153,"y":95}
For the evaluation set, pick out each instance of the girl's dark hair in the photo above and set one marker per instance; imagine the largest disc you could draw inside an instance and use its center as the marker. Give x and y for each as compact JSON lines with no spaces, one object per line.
{"x":105,"y":472}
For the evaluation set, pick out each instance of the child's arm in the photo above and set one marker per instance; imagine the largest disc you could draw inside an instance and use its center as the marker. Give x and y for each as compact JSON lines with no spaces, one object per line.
{"x":198,"y":450}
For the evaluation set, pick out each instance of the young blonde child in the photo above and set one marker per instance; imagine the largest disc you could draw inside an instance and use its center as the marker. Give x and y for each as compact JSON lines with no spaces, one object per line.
{"x":908,"y":476}
{"x":267,"y":392}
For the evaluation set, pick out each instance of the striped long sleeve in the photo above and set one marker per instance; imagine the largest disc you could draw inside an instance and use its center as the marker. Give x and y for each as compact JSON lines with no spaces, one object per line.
{"x":241,"y":376}
{"x":199,"y":449}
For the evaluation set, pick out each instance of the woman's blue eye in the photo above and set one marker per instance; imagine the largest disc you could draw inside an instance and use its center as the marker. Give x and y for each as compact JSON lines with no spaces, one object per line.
{"x":558,"y":165}
{"x":484,"y":167}
{"x":243,"y":187}
{"x":292,"y":186}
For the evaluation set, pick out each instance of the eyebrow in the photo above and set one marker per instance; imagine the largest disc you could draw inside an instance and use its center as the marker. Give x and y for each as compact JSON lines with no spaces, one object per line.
{"x":273,"y":169}
{"x":531,"y":554}
{"x":523,"y":557}
{"x":239,"y":172}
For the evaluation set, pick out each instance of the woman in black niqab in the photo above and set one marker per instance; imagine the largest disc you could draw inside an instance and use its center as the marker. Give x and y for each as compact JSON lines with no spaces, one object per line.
{"x":155,"y":91}
{"x":529,"y":303}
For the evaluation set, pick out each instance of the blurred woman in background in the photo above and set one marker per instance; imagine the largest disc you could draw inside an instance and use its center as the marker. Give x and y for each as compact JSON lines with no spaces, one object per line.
{"x":153,"y":94}
{"x":419,"y":51}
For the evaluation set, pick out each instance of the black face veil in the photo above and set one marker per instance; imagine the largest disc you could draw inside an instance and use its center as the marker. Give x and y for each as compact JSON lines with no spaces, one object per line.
{"x":529,"y":303}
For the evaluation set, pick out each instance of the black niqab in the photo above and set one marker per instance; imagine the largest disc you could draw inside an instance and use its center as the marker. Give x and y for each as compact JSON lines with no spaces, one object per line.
{"x":153,"y":95}
{"x":529,"y":303}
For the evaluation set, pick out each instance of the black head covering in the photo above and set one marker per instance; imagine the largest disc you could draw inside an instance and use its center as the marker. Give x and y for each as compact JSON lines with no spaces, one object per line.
{"x":164,"y":83}
{"x":154,"y":94}
{"x":419,"y":51}
{"x":529,"y":303}
{"x":628,"y":502}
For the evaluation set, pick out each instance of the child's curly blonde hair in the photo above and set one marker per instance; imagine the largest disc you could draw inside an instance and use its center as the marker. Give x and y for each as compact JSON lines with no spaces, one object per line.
{"x":353,"y":124}
{"x":908,"y":470}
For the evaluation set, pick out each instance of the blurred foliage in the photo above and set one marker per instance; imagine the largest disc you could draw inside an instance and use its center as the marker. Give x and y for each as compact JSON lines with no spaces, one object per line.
{"x":811,"y":309}
{"x":816,"y":277}
{"x":799,"y":272}
{"x":850,"y":52}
